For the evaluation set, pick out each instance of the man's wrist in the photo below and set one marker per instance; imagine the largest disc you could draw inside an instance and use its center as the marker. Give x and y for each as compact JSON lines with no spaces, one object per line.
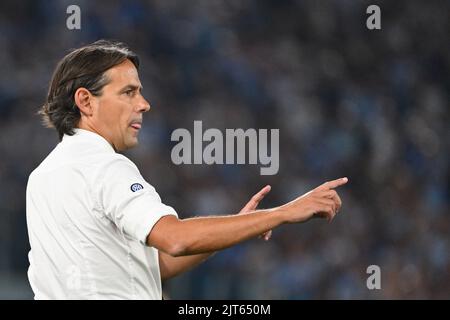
{"x":280,"y":214}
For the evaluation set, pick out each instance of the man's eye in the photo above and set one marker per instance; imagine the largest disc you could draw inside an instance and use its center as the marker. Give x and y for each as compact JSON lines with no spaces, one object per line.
{"x":129,"y":92}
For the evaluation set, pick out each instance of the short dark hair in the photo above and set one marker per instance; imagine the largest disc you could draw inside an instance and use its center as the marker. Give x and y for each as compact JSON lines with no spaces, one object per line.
{"x":84,"y":67}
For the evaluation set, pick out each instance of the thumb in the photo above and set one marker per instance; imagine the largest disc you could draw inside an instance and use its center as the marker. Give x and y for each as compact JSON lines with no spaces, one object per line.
{"x":256,"y":199}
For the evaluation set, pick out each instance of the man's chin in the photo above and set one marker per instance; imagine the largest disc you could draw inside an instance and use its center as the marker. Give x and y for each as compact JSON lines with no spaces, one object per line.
{"x":132,"y":143}
{"x":127,"y":145}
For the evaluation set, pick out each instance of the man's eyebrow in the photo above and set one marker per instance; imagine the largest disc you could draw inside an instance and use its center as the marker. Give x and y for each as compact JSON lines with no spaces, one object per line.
{"x":131,"y":87}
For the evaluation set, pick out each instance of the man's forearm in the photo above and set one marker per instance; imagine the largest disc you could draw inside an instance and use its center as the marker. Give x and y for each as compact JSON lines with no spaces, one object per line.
{"x":173,"y":266}
{"x":208,"y":234}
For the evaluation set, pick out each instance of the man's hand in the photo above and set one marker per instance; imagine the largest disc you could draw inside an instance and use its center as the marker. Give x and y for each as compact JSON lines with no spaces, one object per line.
{"x":253,"y":204}
{"x":322,"y":202}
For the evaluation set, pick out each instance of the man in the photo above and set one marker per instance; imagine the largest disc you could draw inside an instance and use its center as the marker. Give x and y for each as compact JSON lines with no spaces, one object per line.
{"x":97,"y":229}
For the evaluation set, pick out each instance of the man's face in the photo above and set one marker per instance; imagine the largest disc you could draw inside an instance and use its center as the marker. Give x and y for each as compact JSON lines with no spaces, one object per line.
{"x":117,"y":113}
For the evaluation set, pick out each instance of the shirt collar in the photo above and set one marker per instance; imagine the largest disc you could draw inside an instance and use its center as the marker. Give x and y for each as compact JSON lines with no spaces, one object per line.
{"x":90,"y":136}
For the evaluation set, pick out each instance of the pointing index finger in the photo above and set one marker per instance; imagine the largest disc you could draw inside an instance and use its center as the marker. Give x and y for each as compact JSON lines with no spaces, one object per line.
{"x":333,"y":184}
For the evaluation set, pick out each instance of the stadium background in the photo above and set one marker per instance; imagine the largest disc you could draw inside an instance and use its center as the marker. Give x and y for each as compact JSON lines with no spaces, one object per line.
{"x":370,"y":105}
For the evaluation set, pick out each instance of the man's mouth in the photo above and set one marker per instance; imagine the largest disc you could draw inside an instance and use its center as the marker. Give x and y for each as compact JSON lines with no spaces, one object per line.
{"x":136,"y":125}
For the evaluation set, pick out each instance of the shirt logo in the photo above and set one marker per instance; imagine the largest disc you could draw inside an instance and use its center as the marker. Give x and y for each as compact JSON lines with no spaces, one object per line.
{"x":136,"y":187}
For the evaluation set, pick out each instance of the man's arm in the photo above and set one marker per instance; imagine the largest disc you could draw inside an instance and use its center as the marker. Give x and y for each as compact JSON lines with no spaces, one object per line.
{"x":206,"y":234}
{"x":172,"y":266}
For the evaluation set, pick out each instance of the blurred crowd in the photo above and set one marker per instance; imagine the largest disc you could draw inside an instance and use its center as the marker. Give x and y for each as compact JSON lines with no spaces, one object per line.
{"x":369,"y":105}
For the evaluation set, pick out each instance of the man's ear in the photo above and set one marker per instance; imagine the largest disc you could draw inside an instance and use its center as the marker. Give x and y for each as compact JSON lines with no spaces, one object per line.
{"x":83,"y":100}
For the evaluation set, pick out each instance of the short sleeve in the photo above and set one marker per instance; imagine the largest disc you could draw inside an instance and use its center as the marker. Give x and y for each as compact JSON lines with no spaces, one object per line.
{"x":129,"y":201}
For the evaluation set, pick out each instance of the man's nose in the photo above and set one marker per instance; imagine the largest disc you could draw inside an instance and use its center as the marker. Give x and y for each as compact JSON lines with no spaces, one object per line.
{"x":143,"y":105}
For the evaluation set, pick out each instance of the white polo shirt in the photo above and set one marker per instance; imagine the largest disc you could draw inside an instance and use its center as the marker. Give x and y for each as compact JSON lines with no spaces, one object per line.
{"x":89,"y":212}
